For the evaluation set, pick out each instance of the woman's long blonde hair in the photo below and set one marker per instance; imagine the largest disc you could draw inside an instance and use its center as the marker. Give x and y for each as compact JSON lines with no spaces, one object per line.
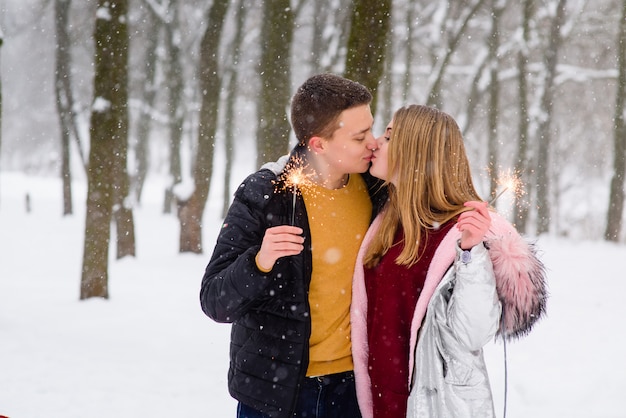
{"x":427,"y":159}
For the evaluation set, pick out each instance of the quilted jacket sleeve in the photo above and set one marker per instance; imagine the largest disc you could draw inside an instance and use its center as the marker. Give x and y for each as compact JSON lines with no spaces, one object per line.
{"x":231,"y":281}
{"x":473,"y":309}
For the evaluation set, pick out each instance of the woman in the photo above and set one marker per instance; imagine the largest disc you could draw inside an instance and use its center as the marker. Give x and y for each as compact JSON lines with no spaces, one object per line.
{"x":438,"y":275}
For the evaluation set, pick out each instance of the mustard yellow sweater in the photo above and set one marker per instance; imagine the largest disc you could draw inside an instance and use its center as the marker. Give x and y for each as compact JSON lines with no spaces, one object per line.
{"x":338,"y":220}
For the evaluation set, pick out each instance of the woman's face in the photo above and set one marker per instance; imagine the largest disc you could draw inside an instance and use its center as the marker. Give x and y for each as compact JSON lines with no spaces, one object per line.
{"x":380,"y":163}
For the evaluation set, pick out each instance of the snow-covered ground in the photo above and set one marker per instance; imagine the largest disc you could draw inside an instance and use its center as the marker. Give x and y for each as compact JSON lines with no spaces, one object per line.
{"x":149,"y":351}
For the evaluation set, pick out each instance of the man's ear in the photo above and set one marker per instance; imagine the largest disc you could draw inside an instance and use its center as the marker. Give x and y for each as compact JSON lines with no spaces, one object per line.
{"x":317,"y":144}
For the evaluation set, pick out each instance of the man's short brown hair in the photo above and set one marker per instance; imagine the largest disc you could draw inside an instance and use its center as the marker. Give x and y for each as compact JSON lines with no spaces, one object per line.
{"x":316,"y":106}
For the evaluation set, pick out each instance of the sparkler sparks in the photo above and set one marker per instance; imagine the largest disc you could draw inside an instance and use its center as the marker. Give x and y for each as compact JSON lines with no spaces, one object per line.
{"x":296,"y":178}
{"x":509,"y":180}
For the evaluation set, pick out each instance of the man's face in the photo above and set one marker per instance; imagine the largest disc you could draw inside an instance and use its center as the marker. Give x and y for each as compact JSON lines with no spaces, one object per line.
{"x":349,"y":150}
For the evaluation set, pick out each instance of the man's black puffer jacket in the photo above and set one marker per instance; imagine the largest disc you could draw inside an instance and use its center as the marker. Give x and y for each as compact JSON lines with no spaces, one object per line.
{"x":269,"y":312}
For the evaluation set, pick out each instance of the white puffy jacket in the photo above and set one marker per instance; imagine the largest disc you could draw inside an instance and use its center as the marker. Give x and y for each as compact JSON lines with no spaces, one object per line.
{"x":502,"y":290}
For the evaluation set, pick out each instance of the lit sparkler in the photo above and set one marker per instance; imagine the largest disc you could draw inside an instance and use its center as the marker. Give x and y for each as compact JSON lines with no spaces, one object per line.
{"x":508,"y":181}
{"x":295,"y":178}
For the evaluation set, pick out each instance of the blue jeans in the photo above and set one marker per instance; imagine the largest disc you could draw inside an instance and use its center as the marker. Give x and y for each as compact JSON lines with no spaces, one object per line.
{"x":330,"y":396}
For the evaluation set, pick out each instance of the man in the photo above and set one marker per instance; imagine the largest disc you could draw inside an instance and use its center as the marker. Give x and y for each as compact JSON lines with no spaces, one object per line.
{"x":282,"y":268}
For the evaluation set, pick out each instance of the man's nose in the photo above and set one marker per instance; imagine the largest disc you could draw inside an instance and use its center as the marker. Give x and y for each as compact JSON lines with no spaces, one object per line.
{"x":379,"y":141}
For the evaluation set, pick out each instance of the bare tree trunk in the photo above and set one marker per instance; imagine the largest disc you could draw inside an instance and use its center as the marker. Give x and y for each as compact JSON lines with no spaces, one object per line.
{"x":125,"y":228}
{"x":148,"y":92}
{"x":367,"y":44}
{"x":176,"y":113}
{"x":408,"y":59}
{"x":190,"y":211}
{"x":521,"y":160}
{"x":64,"y":96}
{"x":122,"y":206}
{"x":275,"y":70}
{"x":386,"y":110}
{"x":231,"y":88}
{"x":123,"y":213}
{"x":108,"y":126}
{"x":616,"y":198}
{"x":544,"y":129}
{"x":321,"y":15}
{"x":497,"y":7}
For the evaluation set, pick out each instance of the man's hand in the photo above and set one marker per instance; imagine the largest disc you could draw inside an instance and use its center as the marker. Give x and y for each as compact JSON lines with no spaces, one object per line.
{"x":279,"y":241}
{"x":474,"y":224}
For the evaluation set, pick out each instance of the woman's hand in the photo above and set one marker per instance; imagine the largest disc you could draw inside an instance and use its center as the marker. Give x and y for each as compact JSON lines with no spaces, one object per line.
{"x":474,"y":224}
{"x":279,"y":241}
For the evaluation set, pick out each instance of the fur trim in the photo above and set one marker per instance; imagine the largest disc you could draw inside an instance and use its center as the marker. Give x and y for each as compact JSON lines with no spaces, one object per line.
{"x":520,"y":283}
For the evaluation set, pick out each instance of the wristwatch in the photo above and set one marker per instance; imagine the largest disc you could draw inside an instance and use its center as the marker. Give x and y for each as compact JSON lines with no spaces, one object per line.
{"x":466,"y":256}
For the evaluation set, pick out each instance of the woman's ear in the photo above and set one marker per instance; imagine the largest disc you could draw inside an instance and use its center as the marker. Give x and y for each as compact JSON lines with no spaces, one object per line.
{"x":317,"y":144}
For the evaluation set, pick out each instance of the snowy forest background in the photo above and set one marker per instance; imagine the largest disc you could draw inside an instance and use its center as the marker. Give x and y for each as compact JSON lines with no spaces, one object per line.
{"x":536,"y":85}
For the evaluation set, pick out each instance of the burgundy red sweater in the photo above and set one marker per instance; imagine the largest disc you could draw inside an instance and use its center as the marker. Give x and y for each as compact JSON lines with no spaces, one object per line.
{"x":392,"y":293}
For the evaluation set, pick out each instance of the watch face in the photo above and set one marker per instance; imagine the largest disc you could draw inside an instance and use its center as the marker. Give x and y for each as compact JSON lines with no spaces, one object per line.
{"x":466,"y":256}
